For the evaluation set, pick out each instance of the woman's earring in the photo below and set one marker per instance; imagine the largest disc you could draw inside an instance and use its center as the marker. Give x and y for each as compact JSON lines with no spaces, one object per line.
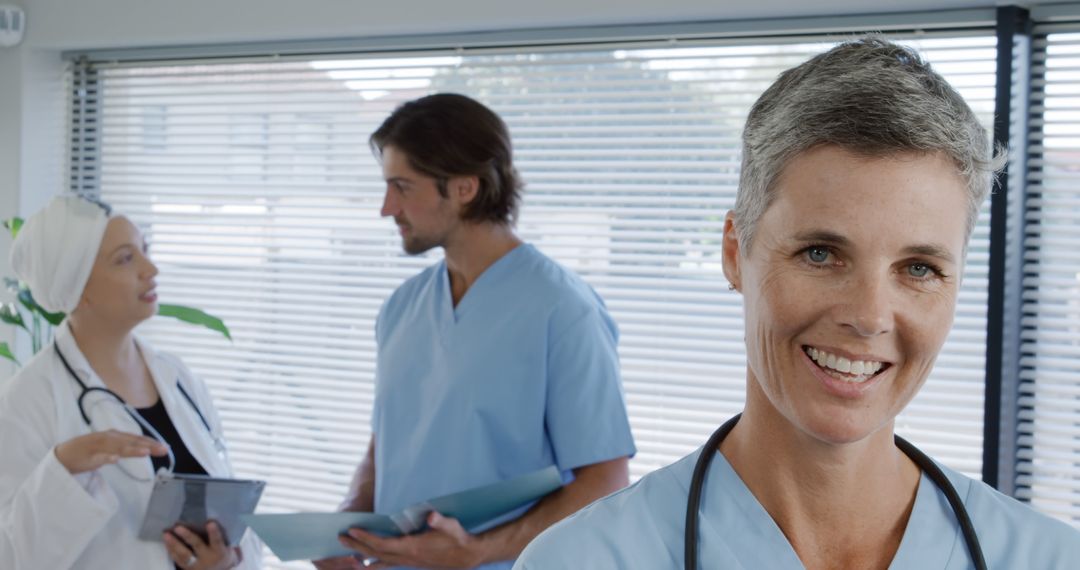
{"x":730,"y":286}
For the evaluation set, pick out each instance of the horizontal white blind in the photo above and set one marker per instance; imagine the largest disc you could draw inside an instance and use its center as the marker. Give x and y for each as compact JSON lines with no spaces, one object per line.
{"x":1048,"y":473}
{"x":261,"y":199}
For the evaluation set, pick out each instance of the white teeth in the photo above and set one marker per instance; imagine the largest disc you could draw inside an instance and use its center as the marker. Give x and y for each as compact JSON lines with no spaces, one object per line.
{"x":862,"y":370}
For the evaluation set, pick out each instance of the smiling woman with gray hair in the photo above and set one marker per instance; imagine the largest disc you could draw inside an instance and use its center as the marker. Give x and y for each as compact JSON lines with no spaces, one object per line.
{"x":863,"y":172}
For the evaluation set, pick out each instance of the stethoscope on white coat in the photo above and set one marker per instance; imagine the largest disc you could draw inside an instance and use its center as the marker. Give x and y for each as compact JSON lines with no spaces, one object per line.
{"x":693,"y":501}
{"x":219,"y":445}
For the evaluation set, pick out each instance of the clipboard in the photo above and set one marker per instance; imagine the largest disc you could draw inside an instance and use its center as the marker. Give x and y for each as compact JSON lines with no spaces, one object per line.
{"x":313,"y":536}
{"x":194,"y":500}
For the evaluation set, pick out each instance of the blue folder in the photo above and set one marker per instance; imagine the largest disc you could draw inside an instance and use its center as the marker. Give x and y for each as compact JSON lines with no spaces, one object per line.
{"x":314,"y":536}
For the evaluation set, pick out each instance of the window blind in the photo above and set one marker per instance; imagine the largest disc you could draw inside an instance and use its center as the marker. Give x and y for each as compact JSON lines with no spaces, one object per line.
{"x":1048,"y":472}
{"x":260,"y":197}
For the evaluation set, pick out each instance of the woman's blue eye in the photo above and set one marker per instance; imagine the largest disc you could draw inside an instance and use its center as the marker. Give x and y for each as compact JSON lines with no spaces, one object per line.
{"x":818,"y":254}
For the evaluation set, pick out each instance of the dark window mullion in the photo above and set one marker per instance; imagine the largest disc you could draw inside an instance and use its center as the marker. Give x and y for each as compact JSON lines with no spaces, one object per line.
{"x":1005,"y":306}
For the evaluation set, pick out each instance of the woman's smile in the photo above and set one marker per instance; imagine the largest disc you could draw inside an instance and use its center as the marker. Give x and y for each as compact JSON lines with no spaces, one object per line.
{"x":845,"y":377}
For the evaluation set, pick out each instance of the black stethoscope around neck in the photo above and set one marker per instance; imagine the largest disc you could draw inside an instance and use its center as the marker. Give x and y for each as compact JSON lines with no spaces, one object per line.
{"x":87,"y":390}
{"x":693,"y":501}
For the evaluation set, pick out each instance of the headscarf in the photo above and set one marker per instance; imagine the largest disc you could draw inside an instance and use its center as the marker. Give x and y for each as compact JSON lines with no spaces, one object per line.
{"x":56,"y":248}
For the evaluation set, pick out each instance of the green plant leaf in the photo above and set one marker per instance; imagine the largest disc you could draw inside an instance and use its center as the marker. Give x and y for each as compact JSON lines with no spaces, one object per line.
{"x":195,"y":317}
{"x":14,"y":224}
{"x":28,"y":301}
{"x":10,"y":314}
{"x":5,"y":352}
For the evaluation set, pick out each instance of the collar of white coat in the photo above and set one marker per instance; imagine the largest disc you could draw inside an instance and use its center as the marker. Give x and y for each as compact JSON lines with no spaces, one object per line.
{"x":164,"y":374}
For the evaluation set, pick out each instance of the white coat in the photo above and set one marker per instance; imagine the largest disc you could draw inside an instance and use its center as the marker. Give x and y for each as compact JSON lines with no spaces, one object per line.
{"x":52,"y":519}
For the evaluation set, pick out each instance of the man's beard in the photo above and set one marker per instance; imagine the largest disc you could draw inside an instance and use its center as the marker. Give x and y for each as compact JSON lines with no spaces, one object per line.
{"x":417,"y":246}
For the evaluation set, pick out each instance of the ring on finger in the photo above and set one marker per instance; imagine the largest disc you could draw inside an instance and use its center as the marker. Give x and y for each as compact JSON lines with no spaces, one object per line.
{"x":191,"y":560}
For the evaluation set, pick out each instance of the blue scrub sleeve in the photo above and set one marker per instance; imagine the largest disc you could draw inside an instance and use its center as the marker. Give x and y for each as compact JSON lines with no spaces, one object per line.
{"x":586,"y":414}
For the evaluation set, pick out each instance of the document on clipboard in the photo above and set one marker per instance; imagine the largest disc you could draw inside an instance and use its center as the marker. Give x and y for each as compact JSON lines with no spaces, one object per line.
{"x":314,"y":536}
{"x":194,"y":500}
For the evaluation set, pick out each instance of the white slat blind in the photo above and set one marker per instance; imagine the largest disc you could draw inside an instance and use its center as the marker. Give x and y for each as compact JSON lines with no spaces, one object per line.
{"x":1048,"y":473}
{"x":261,"y":199}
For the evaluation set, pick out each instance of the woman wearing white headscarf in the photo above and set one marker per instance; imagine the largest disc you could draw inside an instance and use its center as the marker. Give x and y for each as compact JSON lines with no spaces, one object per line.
{"x":78,"y":466}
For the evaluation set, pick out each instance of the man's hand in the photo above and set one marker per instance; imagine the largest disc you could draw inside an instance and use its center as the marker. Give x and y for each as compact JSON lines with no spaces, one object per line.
{"x":445,"y":546}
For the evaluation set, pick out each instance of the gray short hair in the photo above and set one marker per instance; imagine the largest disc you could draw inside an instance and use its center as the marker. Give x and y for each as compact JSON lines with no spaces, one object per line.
{"x":870,"y":97}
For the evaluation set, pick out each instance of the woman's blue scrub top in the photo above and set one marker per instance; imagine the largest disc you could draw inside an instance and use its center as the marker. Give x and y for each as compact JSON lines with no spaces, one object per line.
{"x":641,"y":527}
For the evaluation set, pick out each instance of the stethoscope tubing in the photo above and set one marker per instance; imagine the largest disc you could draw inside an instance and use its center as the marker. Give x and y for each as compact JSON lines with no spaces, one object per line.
{"x":87,"y":390}
{"x":693,"y":500}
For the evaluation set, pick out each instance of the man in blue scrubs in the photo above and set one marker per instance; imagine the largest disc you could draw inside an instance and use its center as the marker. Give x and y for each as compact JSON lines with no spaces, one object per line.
{"x":863,"y":174}
{"x":492,"y":363}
